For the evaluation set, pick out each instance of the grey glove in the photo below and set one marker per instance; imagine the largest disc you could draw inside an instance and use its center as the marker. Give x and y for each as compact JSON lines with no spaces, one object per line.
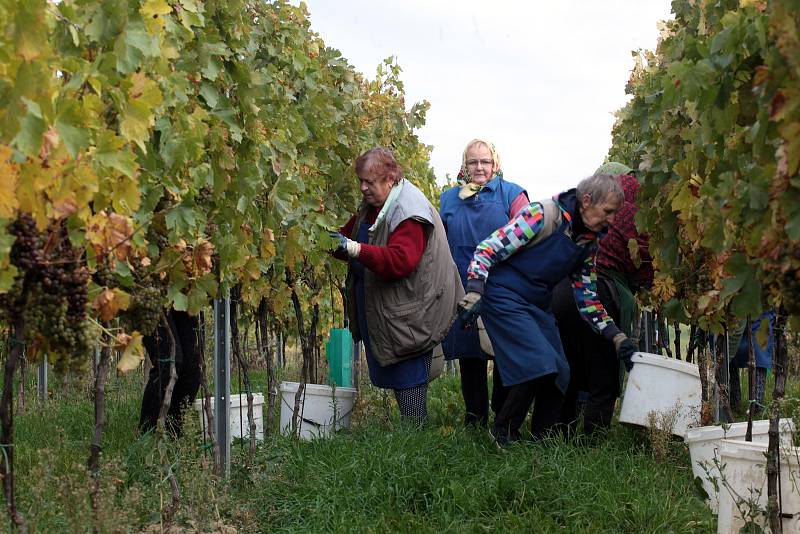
{"x":469,"y":309}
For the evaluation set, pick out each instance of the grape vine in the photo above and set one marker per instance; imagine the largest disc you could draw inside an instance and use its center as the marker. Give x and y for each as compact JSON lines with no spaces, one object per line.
{"x":714,"y":129}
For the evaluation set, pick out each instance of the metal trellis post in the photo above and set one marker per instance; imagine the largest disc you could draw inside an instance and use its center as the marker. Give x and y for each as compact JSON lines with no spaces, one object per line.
{"x":222,"y":379}
{"x":41,"y":379}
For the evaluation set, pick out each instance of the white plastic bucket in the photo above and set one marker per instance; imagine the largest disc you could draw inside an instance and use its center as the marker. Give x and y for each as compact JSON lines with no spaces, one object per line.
{"x":667,"y":388}
{"x":704,"y":445}
{"x":744,"y":469}
{"x":321,"y":411}
{"x":237,"y":415}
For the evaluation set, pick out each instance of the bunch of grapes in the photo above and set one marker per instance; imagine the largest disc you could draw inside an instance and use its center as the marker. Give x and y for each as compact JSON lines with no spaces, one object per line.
{"x":146,"y":308}
{"x":50,"y":293}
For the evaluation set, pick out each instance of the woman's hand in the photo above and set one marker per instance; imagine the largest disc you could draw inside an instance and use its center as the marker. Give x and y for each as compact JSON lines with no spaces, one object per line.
{"x":469,"y":309}
{"x":625,"y":350}
{"x":352,"y":248}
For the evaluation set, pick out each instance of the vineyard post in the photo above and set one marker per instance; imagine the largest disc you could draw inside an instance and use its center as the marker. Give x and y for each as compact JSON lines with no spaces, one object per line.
{"x":780,"y":358}
{"x":751,"y":371}
{"x":41,"y":379}
{"x":100,"y":420}
{"x":222,"y":384}
{"x":722,"y":363}
{"x":7,"y":423}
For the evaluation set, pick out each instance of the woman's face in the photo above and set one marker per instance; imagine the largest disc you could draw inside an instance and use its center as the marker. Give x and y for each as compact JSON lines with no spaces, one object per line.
{"x":480,"y":165}
{"x":597,"y":217}
{"x":374,"y":188}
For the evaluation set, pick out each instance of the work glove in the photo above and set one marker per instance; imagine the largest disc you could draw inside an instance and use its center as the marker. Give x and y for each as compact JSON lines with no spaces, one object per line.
{"x":625,"y":348}
{"x":469,"y":309}
{"x":348,"y":246}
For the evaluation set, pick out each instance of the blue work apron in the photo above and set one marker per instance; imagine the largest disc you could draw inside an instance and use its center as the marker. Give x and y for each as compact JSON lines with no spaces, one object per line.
{"x":401,"y":375}
{"x":763,"y":354}
{"x":516,"y":309}
{"x":470,"y":221}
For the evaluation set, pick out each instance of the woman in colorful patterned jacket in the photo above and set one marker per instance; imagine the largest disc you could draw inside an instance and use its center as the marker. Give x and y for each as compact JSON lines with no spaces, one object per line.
{"x":593,"y":365}
{"x":546,"y":241}
{"x":471,"y":211}
{"x":402,"y":285}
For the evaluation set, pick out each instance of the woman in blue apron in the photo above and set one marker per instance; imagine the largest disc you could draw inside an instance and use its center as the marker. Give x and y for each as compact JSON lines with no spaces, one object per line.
{"x":470,"y":212}
{"x":763,"y":359}
{"x":526,"y":259}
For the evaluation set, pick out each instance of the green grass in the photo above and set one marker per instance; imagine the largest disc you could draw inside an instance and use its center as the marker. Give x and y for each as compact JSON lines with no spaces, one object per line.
{"x":381,"y":476}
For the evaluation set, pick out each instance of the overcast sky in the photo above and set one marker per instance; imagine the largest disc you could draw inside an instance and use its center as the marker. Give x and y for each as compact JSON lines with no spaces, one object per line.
{"x":539,"y":79}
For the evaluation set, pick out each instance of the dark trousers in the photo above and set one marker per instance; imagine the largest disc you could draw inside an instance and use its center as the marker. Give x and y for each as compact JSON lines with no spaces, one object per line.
{"x":593,"y":363}
{"x":186,"y":331}
{"x":475,"y":390}
{"x":547,"y":401}
{"x":735,"y":394}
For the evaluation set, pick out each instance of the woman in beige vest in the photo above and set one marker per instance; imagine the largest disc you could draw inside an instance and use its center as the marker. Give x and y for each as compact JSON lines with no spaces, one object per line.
{"x":402,"y":284}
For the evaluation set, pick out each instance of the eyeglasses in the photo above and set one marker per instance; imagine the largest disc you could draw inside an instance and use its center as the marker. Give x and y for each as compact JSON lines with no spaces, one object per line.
{"x":476,"y":162}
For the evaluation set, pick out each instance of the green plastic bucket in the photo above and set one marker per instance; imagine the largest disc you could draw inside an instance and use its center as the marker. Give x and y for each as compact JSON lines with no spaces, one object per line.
{"x":339,"y":351}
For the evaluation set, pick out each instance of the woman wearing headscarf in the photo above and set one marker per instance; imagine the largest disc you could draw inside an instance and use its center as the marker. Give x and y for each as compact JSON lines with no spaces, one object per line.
{"x":482,"y":202}
{"x":402,"y":286}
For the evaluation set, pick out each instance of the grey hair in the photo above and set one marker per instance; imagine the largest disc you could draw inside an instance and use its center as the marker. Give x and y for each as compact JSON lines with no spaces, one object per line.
{"x":599,"y":187}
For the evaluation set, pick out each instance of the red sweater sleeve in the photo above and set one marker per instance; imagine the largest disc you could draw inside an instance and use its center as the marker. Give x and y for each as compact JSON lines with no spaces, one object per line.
{"x":402,"y":252}
{"x":347,"y":229}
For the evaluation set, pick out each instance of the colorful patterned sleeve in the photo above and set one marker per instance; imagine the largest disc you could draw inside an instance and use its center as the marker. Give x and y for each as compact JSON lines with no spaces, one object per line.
{"x":506,"y":241}
{"x":584,"y":288}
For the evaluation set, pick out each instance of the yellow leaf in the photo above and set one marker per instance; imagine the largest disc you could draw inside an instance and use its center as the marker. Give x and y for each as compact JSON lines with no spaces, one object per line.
{"x":122,"y":298}
{"x":683,"y":201}
{"x":635,"y":253}
{"x":126,"y":196}
{"x":33,"y":180}
{"x":252,"y":269}
{"x":267,"y":250}
{"x":132,"y":352}
{"x":138,"y":116}
{"x":762,"y":334}
{"x":9,"y":172}
{"x":293,"y":254}
{"x":155,"y":7}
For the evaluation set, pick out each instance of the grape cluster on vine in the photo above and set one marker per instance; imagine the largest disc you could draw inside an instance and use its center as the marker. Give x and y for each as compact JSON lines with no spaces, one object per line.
{"x":50,"y":295}
{"x":147,"y":304}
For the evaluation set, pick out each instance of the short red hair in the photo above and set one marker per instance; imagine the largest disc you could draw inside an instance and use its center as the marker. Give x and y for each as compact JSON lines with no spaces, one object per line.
{"x":380,"y":162}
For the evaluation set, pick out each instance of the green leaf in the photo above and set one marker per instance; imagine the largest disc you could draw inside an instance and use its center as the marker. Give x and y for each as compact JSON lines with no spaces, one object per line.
{"x":133,"y":45}
{"x":175,"y":295}
{"x":7,"y":277}
{"x":110,"y":152}
{"x":209,"y":94}
{"x":29,"y":137}
{"x":675,"y":311}
{"x":69,"y":124}
{"x":197,"y":300}
{"x":740,"y":273}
